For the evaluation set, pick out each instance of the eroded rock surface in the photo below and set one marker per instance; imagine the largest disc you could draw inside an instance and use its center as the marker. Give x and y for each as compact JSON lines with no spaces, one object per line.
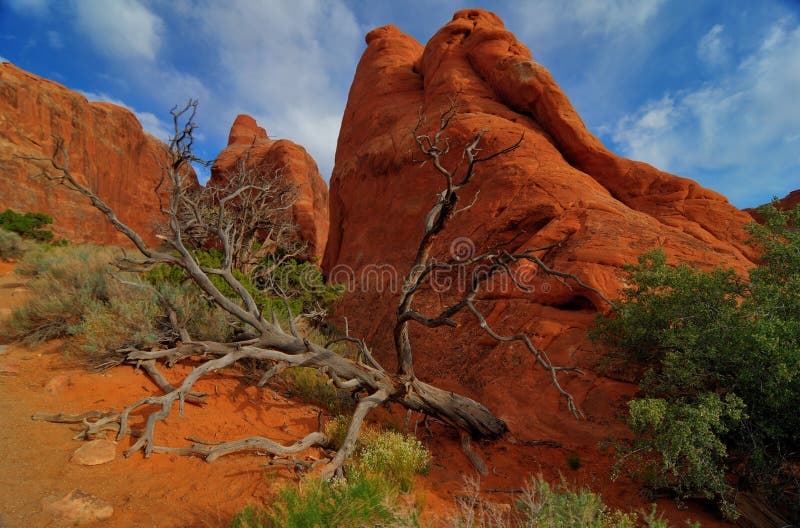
{"x":561,"y":188}
{"x":108,"y":151}
{"x":295,"y":165}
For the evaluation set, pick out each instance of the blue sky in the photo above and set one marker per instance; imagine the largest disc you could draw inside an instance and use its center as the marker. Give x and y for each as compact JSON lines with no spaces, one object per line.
{"x":707,"y":89}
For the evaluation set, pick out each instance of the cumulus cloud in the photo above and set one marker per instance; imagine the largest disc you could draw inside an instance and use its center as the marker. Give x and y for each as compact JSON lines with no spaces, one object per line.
{"x":120,"y":29}
{"x":742,"y":127}
{"x":3,"y":59}
{"x":713,"y":47}
{"x":288,"y":64}
{"x":150,"y":123}
{"x":593,"y":47}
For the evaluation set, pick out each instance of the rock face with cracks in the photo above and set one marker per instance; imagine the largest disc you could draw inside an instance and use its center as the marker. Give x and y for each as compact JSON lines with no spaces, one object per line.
{"x":295,"y":165}
{"x":108,"y":150}
{"x":560,"y":189}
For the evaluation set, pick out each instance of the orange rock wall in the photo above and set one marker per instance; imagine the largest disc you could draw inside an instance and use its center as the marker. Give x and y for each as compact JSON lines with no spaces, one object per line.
{"x":108,"y":150}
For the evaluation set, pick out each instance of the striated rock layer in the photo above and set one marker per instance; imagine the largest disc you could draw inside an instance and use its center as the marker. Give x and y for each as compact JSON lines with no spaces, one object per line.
{"x":562,"y":186}
{"x":296,"y":166}
{"x":107,"y":147}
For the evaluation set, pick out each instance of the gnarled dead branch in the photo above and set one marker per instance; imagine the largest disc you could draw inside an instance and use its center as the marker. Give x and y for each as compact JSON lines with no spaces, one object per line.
{"x":245,"y":218}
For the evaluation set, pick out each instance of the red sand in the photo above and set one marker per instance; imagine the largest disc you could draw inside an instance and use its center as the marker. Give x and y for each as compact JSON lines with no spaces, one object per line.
{"x":173,"y":491}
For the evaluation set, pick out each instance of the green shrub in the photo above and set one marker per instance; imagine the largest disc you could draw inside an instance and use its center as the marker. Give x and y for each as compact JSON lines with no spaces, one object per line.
{"x":76,"y":297}
{"x":393,"y":456}
{"x":687,"y":437}
{"x":250,"y":517}
{"x":543,"y":505}
{"x":65,"y":282}
{"x":396,"y":456}
{"x":11,"y":245}
{"x":28,"y":225}
{"x":301,"y":283}
{"x":310,"y":386}
{"x":723,"y":366}
{"x":354,"y":503}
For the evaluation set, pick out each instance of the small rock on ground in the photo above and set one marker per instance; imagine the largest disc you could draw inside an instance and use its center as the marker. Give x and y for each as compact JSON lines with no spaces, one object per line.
{"x":10,"y":369}
{"x":80,"y":507}
{"x":57,"y":384}
{"x":95,"y":452}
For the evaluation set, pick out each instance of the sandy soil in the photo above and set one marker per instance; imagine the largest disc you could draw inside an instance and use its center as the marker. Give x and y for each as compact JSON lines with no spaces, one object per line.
{"x":172,"y":491}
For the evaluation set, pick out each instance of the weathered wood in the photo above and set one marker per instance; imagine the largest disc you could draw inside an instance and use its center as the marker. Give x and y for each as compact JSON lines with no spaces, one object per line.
{"x":473,"y":456}
{"x":158,"y":378}
{"x":211,"y":452}
{"x":756,"y":513}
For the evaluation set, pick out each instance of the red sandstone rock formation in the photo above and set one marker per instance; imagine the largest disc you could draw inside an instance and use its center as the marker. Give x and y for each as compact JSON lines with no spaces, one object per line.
{"x":562,"y":186}
{"x":295,"y":165}
{"x":107,"y":148}
{"x":791,"y":200}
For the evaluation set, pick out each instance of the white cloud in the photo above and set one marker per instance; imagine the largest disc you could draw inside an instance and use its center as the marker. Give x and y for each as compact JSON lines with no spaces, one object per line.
{"x":288,"y":64}
{"x":150,"y":123}
{"x":741,"y":125}
{"x":154,"y":125}
{"x":593,"y":47}
{"x":120,"y":29}
{"x":54,"y":38}
{"x":713,"y":47}
{"x":608,"y":18}
{"x":30,"y":7}
{"x":3,"y":59}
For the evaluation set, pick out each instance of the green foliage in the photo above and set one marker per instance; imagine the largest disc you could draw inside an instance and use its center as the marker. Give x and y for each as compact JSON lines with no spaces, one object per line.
{"x":28,"y":225}
{"x":395,"y":457}
{"x":250,"y":517}
{"x":687,"y":437}
{"x":302,"y":283}
{"x":76,"y":297}
{"x":312,"y":387}
{"x":354,"y":503}
{"x":723,"y":363}
{"x":12,"y":245}
{"x":543,"y":505}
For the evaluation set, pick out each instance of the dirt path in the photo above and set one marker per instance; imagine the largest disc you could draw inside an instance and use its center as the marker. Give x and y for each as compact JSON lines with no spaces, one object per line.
{"x":163,"y":491}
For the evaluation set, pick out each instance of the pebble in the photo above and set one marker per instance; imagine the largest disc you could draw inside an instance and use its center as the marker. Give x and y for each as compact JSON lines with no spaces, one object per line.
{"x":80,"y":507}
{"x":10,"y":369}
{"x":95,"y":453}
{"x":57,"y":384}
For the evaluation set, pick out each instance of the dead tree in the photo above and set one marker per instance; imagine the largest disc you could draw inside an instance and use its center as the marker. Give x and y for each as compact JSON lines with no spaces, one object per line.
{"x":283,"y":348}
{"x":253,"y":202}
